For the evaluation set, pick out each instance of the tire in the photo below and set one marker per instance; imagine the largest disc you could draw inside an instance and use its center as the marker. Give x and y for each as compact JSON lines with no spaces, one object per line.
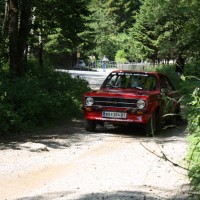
{"x":150,"y":127}
{"x":90,"y":125}
{"x":158,"y":122}
{"x":174,"y":118}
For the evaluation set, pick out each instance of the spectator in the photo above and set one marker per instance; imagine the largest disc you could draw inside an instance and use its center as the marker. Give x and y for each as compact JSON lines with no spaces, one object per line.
{"x":104,"y":62}
{"x":93,"y":61}
{"x":179,"y":66}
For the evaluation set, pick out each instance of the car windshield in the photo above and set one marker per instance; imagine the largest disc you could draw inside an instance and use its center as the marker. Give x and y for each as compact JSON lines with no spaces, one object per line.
{"x":131,"y":80}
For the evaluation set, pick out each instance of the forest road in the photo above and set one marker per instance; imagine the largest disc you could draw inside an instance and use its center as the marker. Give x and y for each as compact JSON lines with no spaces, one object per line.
{"x":68,"y":163}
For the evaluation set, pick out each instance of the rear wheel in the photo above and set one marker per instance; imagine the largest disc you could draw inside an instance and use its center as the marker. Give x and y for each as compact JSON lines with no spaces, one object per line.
{"x":158,"y":122}
{"x":90,"y":125}
{"x":175,"y":117}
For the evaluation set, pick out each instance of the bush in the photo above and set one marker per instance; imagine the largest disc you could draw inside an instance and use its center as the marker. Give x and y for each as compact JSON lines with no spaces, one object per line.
{"x":168,"y":70}
{"x":37,"y":100}
{"x":188,"y":86}
{"x":194,"y":139}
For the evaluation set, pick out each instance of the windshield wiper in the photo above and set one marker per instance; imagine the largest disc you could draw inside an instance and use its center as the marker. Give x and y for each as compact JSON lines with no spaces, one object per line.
{"x":137,"y":87}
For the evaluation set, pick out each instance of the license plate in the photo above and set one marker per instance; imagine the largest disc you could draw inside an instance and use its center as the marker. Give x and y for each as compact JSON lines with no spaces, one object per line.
{"x":116,"y":115}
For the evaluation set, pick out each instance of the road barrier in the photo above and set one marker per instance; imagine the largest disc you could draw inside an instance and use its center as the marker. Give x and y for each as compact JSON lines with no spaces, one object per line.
{"x":117,"y":65}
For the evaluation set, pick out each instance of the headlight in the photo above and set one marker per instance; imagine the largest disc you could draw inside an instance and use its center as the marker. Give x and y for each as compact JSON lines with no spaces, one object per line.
{"x":141,"y":104}
{"x":89,"y":101}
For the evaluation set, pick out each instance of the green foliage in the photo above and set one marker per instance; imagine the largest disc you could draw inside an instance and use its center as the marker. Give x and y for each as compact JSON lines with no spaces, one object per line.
{"x":190,"y":103}
{"x":142,"y":35}
{"x":165,"y":28}
{"x":39,"y":100}
{"x":194,"y":139}
{"x":189,"y":88}
{"x":108,"y":21}
{"x":121,"y":56}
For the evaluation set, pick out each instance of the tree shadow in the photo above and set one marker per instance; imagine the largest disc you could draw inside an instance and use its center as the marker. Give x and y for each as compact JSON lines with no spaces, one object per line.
{"x":73,"y":133}
{"x":160,"y":193}
{"x":56,"y":137}
{"x":167,"y":134}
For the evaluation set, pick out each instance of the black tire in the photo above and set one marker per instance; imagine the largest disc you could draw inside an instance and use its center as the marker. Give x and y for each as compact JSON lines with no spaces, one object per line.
{"x":174,"y":118}
{"x":150,"y":127}
{"x":158,"y":121}
{"x":90,"y":125}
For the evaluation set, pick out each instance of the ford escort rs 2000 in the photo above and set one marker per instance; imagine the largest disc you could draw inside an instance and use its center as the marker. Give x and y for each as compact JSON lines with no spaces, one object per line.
{"x":129,"y":97}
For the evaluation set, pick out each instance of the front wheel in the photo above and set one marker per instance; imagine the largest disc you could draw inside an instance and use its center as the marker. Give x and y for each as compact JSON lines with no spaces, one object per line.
{"x":90,"y":125}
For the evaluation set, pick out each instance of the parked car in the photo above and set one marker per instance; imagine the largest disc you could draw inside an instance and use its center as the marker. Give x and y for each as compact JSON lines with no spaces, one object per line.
{"x":129,"y":97}
{"x":80,"y":64}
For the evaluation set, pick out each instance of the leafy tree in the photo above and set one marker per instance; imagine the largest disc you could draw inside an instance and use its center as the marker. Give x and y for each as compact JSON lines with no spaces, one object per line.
{"x":143,"y":36}
{"x":102,"y":28}
{"x":62,"y":22}
{"x":190,"y":37}
{"x":124,"y":11}
{"x":107,"y":22}
{"x":29,"y":23}
{"x":169,"y":18}
{"x":164,"y":29}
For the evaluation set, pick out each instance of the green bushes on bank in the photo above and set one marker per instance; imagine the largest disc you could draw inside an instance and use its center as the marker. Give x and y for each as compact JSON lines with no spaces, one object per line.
{"x":189,"y":88}
{"x":194,"y":139}
{"x":37,"y":100}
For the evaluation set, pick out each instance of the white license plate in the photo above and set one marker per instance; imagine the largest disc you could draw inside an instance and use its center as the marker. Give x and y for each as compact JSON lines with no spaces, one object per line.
{"x":118,"y":115}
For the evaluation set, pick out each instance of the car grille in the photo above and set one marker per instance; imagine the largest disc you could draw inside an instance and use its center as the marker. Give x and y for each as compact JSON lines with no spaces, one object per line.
{"x":115,"y":102}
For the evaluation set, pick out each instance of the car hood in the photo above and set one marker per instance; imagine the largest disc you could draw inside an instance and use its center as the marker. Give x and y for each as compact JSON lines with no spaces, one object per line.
{"x":126,"y":93}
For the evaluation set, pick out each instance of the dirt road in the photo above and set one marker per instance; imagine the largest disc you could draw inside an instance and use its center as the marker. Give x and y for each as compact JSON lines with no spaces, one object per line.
{"x":115,"y":163}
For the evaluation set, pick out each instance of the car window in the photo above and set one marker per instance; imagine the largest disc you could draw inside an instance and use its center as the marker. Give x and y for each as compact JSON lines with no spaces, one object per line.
{"x":131,"y":80}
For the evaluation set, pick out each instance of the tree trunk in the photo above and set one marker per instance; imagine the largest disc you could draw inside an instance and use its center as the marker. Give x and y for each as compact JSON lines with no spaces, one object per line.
{"x":13,"y":37}
{"x":6,"y":20}
{"x":18,"y":37}
{"x":40,"y":53}
{"x":4,"y":33}
{"x":23,"y":33}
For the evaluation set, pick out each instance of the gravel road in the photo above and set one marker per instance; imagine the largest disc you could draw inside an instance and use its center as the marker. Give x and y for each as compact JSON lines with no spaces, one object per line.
{"x":68,"y":163}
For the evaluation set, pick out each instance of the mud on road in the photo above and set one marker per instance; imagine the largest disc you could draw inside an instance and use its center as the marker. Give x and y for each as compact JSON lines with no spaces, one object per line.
{"x":68,"y":163}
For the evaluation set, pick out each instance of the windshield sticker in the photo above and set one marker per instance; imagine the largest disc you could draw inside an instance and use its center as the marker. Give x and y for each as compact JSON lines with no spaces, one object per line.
{"x":130,"y":74}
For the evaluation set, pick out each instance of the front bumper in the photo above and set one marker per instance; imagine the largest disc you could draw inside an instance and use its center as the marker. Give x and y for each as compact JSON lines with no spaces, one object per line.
{"x":132,"y":115}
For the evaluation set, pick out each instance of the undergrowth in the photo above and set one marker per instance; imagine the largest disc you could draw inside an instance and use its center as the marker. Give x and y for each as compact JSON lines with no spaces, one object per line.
{"x":189,"y":87}
{"x":38,"y":100}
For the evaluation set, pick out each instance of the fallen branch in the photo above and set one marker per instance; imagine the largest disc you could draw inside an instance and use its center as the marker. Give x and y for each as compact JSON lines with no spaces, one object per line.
{"x":164,"y":157}
{"x":194,"y":193}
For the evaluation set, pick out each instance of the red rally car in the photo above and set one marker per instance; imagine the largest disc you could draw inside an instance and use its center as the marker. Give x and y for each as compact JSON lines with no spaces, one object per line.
{"x":131,"y":97}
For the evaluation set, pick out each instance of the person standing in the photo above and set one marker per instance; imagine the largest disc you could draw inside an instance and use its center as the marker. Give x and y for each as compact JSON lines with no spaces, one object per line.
{"x":93,"y":61}
{"x":179,"y":66}
{"x":104,"y":62}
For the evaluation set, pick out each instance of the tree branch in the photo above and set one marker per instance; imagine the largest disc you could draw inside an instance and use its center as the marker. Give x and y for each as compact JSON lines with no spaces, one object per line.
{"x":164,"y":157}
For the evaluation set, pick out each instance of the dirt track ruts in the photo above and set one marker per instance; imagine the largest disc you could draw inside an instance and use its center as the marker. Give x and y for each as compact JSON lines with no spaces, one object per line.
{"x":69,"y":163}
